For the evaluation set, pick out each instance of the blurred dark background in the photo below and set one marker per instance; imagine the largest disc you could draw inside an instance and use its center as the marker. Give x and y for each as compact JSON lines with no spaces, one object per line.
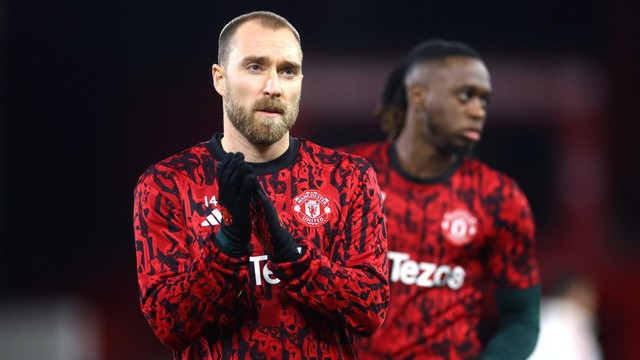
{"x":92,"y":93}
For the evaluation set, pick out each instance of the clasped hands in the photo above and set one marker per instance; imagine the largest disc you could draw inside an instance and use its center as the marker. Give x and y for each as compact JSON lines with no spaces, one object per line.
{"x":246,"y":208}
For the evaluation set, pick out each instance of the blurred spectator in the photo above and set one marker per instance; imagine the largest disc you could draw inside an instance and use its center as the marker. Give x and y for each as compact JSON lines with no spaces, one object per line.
{"x":568,"y":321}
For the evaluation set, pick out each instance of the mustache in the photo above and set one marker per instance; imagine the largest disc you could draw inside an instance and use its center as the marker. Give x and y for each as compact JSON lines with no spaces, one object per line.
{"x":271,"y":105}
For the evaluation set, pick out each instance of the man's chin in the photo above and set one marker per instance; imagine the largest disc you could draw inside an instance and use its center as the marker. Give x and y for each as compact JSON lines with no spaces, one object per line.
{"x":461,"y":150}
{"x":269,"y":120}
{"x":267,"y":138}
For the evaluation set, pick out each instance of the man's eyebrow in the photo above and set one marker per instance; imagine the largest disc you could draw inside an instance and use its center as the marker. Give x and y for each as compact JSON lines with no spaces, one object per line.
{"x":290,"y":64}
{"x":256,"y":59}
{"x":265,"y":60}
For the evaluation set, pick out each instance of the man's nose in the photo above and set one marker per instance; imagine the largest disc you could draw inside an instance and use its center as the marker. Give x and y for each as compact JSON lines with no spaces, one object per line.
{"x":272,"y":87}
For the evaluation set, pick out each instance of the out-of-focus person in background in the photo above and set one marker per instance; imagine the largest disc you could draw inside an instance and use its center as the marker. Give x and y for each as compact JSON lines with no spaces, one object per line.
{"x":255,"y":244}
{"x":568,"y":326}
{"x":456,"y":227}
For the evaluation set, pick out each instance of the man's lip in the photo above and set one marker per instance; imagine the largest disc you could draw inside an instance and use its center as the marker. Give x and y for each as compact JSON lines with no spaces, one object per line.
{"x":271,"y":110}
{"x":472,"y":134}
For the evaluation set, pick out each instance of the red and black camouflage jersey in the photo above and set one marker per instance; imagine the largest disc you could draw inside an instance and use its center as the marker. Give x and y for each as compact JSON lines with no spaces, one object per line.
{"x":449,"y":238}
{"x":206,"y":305}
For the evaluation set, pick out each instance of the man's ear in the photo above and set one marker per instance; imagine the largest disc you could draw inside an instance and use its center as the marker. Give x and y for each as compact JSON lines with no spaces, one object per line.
{"x":417,"y":95}
{"x":217,"y":72}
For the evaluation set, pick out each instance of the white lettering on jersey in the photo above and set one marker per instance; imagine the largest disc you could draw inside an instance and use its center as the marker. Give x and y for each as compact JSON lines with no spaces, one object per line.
{"x":264,"y":273}
{"x":410,"y":272}
{"x":212,"y":200}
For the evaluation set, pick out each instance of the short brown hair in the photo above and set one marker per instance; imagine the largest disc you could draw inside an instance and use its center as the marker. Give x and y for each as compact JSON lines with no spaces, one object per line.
{"x":265,"y":18}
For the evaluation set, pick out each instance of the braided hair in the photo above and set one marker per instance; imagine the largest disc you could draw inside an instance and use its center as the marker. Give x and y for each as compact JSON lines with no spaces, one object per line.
{"x":393,"y":106}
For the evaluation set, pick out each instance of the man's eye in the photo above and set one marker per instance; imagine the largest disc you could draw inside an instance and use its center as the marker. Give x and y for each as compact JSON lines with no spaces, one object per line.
{"x":254,"y":67}
{"x":290,"y":72}
{"x":465,"y":96}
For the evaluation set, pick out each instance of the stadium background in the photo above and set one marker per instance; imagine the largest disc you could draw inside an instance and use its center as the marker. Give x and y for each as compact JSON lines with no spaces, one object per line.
{"x":94,"y":92}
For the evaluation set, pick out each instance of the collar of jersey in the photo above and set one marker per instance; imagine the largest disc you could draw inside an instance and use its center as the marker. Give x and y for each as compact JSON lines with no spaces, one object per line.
{"x":395,"y":164}
{"x":264,"y":168}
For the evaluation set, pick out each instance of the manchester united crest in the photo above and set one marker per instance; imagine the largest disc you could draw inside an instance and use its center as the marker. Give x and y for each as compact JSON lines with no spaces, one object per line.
{"x":459,"y":226}
{"x":312,"y":207}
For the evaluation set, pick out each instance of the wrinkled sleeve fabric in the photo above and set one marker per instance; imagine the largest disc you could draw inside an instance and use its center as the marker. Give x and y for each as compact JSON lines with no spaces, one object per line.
{"x":514,"y":271}
{"x":350,"y":285}
{"x":512,"y":262}
{"x":181,"y":291}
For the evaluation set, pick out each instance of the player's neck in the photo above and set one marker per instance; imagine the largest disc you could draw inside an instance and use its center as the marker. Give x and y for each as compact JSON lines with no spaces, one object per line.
{"x":423,"y":160}
{"x":233,"y":141}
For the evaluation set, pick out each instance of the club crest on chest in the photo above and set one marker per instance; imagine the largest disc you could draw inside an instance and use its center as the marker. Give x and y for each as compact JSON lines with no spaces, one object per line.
{"x":312,"y":207}
{"x":459,"y":226}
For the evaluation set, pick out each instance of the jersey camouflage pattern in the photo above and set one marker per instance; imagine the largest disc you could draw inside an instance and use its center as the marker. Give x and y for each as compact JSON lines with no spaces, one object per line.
{"x":448,"y":238}
{"x":206,"y":305}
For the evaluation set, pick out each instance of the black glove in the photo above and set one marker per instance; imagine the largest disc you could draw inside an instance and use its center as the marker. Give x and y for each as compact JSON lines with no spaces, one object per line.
{"x":276,"y":240}
{"x":236,"y":185}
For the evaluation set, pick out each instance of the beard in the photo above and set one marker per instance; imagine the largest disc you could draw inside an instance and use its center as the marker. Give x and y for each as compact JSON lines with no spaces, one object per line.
{"x":445,"y":142}
{"x":260,"y":130}
{"x":460,"y":150}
